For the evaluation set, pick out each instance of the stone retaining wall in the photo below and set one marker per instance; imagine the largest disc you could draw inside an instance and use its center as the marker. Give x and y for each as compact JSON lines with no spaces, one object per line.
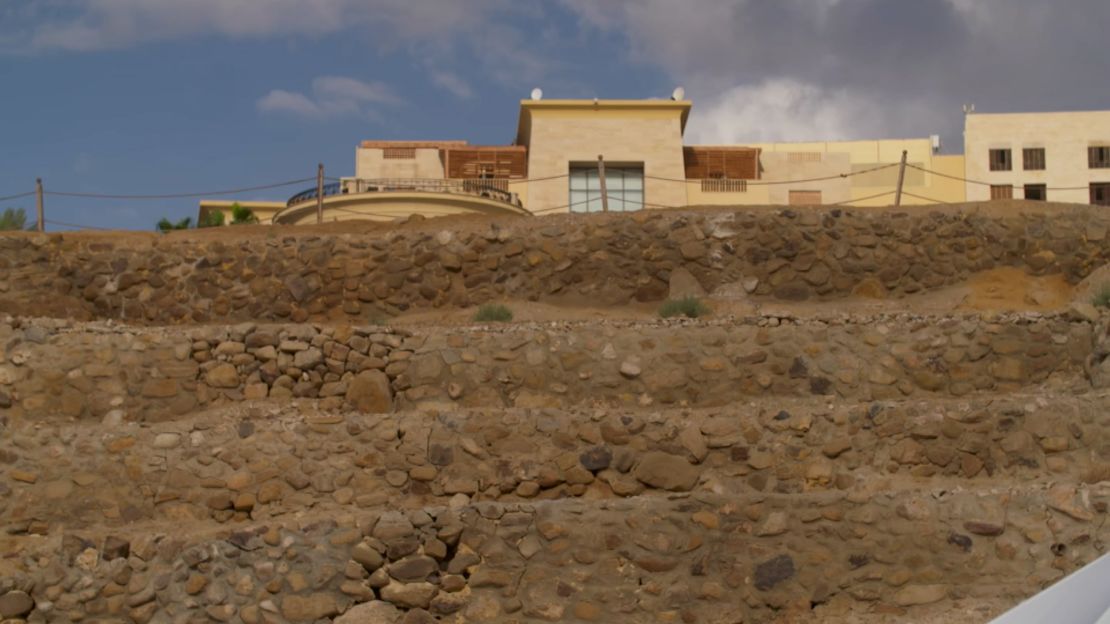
{"x":262,"y":462}
{"x":763,"y":557}
{"x":135,"y":374}
{"x":610,"y":259}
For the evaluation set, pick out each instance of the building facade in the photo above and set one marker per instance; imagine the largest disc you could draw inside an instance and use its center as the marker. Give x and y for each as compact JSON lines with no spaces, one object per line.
{"x":1059,"y":157}
{"x":624,"y":155}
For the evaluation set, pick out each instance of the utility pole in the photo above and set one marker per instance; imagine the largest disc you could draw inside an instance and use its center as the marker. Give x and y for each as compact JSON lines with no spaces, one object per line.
{"x":601,"y":177}
{"x":320,"y":193}
{"x":40,"y":225}
{"x":901,"y":179}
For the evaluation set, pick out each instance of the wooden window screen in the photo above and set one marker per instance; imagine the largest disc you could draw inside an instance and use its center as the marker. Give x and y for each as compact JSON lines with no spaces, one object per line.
{"x":1001,"y":160}
{"x":1002,"y":191}
{"x":464,"y":163}
{"x":406,"y":153}
{"x":805,"y":198}
{"x":702,"y":163}
{"x":1033,"y":158}
{"x":1098,"y":157}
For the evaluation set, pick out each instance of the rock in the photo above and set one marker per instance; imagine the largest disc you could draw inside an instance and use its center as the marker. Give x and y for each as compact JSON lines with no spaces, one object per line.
{"x":773,"y":571}
{"x":167,"y":440}
{"x":15,"y":604}
{"x":366,"y":555}
{"x":409,"y":595}
{"x":684,"y":284}
{"x":1083,"y":311}
{"x":692,"y":250}
{"x":630,"y":369}
{"x":775,"y":524}
{"x":792,"y":291}
{"x":665,"y":471}
{"x":373,"y":612}
{"x":308,"y":359}
{"x":223,"y":376}
{"x":414,"y":568}
{"x":693,"y":441}
{"x":308,"y":608}
{"x":596,"y":458}
{"x":370,"y":392}
{"x":1062,"y":498}
{"x":911,"y":595}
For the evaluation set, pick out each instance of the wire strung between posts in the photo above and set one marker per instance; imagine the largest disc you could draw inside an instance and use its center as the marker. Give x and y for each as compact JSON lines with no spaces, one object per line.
{"x":981,"y":183}
{"x":179,"y":195}
{"x":76,"y":225}
{"x":935,"y":201}
{"x":859,"y":199}
{"x":777,"y":182}
{"x":19,"y":196}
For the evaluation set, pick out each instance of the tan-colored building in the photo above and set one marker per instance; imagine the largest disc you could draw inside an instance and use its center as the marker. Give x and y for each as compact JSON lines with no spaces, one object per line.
{"x":554,"y":165}
{"x":1063,"y":157}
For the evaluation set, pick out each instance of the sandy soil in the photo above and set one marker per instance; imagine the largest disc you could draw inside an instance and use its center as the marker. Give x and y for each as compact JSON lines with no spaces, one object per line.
{"x":1004,"y":289}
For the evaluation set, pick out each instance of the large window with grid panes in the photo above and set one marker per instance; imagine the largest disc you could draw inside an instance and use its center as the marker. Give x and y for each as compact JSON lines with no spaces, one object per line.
{"x":624,"y":186}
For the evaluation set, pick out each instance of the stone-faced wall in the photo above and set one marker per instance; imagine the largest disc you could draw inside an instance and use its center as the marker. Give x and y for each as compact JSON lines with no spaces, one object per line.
{"x":48,"y":371}
{"x":278,"y":275}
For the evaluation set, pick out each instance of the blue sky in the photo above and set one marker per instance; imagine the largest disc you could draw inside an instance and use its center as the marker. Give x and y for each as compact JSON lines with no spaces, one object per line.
{"x":166,"y":96}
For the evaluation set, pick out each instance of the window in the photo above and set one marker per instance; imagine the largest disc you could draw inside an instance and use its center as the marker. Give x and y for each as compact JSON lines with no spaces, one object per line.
{"x":1036,"y":192}
{"x":623,"y":185}
{"x":1002,"y":191}
{"x":399,"y":152}
{"x":1100,"y":194}
{"x":1033,"y":158}
{"x":805,"y":198}
{"x":1098,"y":157}
{"x":1001,"y":160}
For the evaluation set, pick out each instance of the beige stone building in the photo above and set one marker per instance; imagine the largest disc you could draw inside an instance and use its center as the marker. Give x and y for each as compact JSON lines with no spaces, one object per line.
{"x":561,"y":147}
{"x":1062,"y":157}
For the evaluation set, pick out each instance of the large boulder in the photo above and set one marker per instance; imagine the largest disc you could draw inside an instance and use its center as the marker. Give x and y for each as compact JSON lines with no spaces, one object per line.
{"x":370,"y":392}
{"x":666,"y":472}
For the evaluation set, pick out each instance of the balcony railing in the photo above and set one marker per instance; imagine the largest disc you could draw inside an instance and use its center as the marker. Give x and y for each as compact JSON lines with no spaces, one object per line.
{"x":495,"y":189}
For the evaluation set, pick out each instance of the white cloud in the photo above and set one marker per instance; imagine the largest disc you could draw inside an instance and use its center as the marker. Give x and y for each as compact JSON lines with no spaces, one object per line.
{"x":332,"y":96}
{"x":452,"y":83}
{"x":782,"y":110}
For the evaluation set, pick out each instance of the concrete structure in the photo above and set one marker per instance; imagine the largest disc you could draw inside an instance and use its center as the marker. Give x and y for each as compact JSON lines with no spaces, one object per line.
{"x":553,"y":167}
{"x":1061,"y":157}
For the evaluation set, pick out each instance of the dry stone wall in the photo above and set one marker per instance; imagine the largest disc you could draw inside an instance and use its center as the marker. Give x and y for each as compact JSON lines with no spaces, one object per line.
{"x":133,"y":374}
{"x":787,"y":254}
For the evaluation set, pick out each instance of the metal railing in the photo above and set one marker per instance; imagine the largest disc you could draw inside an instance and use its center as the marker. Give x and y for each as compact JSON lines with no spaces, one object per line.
{"x":495,"y":189}
{"x":310,"y":195}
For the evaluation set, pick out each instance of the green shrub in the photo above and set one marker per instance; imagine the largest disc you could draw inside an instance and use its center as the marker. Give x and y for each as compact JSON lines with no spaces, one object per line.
{"x":690,"y":307}
{"x":165,"y":225}
{"x":214,"y":218}
{"x":13,"y":219}
{"x":241,"y":215}
{"x":493,"y":312}
{"x":1102,"y":297}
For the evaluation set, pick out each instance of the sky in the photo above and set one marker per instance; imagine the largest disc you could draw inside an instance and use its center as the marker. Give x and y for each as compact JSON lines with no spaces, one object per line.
{"x":195,"y":96}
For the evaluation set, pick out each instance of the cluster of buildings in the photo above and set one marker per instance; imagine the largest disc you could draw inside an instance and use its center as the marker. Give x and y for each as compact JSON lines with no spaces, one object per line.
{"x":621,"y":155}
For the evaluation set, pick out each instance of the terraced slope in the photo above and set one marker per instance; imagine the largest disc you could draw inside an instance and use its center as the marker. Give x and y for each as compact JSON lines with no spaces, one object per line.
{"x":818,"y":465}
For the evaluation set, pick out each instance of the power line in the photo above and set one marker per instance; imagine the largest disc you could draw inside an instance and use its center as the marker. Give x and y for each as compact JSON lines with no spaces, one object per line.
{"x":869,"y":197}
{"x":77,"y":225}
{"x":928,"y":199}
{"x":777,"y":182}
{"x":179,"y":195}
{"x":982,"y":183}
{"x":18,"y":196}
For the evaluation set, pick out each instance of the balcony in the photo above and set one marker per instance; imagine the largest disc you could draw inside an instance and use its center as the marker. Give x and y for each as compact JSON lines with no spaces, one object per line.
{"x":494,"y":189}
{"x":388,"y":199}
